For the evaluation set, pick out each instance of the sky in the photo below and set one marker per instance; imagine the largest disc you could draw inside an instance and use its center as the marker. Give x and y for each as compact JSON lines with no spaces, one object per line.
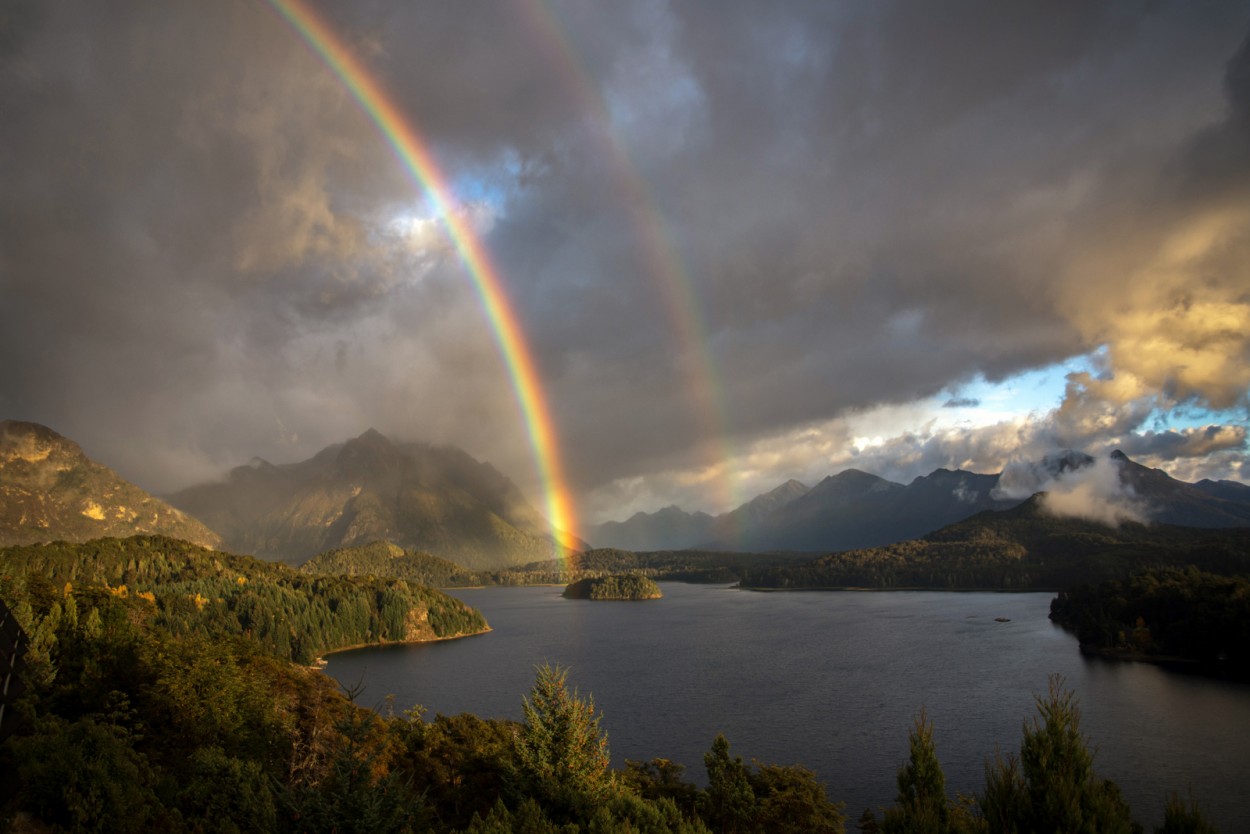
{"x":747,"y":241}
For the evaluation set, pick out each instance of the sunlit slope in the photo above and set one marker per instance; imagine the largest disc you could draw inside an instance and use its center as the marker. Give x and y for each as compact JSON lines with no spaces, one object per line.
{"x":50,"y":491}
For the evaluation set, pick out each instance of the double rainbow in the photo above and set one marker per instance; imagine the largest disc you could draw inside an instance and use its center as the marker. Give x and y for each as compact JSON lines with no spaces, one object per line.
{"x":414,"y":153}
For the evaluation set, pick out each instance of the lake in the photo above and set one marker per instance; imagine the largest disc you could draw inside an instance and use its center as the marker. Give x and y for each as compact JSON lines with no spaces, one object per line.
{"x":833,"y":681}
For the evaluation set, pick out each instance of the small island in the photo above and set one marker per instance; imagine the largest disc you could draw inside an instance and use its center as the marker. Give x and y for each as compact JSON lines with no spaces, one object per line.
{"x":626,"y":587}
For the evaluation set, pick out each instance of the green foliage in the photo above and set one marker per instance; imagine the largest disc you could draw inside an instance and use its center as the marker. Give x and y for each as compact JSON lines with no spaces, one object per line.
{"x":764,"y":799}
{"x":1187,"y":614}
{"x":1018,"y":550}
{"x":1180,"y":817}
{"x":660,"y":779}
{"x":86,"y":775}
{"x":527,"y":819}
{"x":356,"y":794}
{"x":626,"y":587}
{"x":728,"y":804}
{"x":226,"y":794}
{"x":791,"y":798}
{"x":384,"y":559}
{"x":461,"y":762}
{"x":186,"y":590}
{"x":561,"y":754}
{"x":1053,"y":786}
{"x":922,"y":806}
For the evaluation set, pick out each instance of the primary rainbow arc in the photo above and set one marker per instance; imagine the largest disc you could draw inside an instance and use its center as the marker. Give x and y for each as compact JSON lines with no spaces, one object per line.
{"x":414,"y":152}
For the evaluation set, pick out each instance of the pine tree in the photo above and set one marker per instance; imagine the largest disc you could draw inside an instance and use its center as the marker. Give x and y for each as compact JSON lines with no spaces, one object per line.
{"x":921,"y":806}
{"x":1052,"y":787}
{"x":728,"y":805}
{"x":561,"y":752}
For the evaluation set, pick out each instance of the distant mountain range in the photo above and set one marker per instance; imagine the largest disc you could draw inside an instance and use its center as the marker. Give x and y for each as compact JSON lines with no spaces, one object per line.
{"x":855,"y":509}
{"x":438,"y":501}
{"x":50,"y":491}
{"x":435,"y":499}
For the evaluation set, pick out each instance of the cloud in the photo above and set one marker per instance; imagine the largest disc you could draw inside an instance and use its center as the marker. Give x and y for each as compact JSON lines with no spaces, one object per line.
{"x":1186,"y":443}
{"x":207,"y":252}
{"x":961,"y":402}
{"x":1094,"y":493}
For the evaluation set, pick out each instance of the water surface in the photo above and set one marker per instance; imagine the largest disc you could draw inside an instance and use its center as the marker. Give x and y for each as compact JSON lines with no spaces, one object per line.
{"x":831,"y":681}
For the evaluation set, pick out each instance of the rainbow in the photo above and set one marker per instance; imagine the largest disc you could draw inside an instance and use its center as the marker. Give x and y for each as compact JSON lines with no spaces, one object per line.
{"x":664,"y":264}
{"x":414,"y":152}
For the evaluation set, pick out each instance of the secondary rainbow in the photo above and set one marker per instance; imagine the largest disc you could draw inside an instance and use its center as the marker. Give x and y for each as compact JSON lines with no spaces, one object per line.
{"x":415,"y":154}
{"x":665,"y":266}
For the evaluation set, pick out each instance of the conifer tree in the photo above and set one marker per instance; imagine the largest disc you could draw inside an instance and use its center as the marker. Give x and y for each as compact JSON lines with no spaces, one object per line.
{"x":1052,"y":787}
{"x":561,"y":752}
{"x":921,"y":806}
{"x":728,"y":804}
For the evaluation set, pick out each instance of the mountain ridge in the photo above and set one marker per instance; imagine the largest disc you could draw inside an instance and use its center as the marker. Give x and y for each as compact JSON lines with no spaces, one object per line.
{"x":855,"y":509}
{"x":437,"y":499}
{"x":51,"y":490}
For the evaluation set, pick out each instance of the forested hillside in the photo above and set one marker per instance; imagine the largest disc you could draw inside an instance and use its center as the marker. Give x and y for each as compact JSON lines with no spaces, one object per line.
{"x":1023,"y":548}
{"x":1164,"y":615}
{"x":182,"y":589}
{"x":382,"y":558}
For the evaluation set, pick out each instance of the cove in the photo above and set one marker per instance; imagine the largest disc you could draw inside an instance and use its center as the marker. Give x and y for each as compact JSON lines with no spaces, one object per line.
{"x":832,"y":681}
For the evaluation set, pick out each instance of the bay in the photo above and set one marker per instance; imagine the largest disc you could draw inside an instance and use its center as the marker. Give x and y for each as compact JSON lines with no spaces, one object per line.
{"x":832,"y":681}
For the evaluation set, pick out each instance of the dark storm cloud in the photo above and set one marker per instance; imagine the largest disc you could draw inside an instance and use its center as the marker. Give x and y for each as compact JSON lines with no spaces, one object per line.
{"x":204,"y":256}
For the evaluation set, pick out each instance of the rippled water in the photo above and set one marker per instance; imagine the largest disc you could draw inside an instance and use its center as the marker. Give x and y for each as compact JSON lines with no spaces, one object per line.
{"x":831,"y":681}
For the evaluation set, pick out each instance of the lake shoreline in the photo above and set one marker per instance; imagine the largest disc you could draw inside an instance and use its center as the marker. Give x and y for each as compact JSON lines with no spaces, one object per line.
{"x":319,"y":662}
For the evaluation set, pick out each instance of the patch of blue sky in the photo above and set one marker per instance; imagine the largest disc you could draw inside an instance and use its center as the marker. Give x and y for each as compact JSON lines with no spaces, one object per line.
{"x":1190,"y":416}
{"x":1040,"y":390}
{"x":1033,"y":392}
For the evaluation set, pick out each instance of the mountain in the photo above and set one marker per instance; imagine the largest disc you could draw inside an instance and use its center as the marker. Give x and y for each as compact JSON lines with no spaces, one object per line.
{"x":730,"y":529}
{"x":436,"y":499}
{"x":1169,"y":501}
{"x":672,"y":528}
{"x":50,"y":491}
{"x":855,"y":509}
{"x":1026,"y":547}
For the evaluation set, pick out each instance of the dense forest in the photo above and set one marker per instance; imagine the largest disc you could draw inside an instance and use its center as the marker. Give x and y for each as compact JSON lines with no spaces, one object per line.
{"x":618,"y":587}
{"x":1164,"y":615}
{"x":183,"y":589}
{"x":1021,"y":549}
{"x":385,"y":559}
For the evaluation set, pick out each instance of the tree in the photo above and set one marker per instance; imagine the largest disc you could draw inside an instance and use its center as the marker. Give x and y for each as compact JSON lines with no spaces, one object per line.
{"x":1052,"y":787}
{"x":921,"y":806}
{"x":562,"y":755}
{"x":728,"y":804}
{"x":792,"y":799}
{"x":1180,"y":817}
